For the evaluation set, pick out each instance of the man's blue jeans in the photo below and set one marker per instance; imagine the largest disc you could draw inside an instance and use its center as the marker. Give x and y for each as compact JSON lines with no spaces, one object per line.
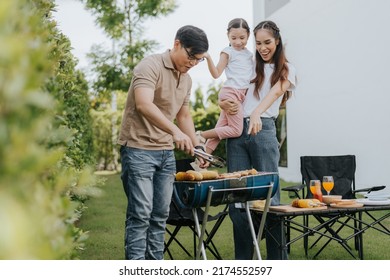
{"x":147,"y":177}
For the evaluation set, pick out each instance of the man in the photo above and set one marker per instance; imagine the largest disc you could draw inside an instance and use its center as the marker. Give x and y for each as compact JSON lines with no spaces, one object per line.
{"x":159,"y":93}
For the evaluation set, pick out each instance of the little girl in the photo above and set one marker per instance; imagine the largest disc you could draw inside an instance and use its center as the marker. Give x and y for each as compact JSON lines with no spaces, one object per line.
{"x":237,"y":62}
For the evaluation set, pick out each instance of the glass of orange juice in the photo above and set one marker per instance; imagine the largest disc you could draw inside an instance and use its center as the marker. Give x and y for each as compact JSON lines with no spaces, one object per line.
{"x":315,"y":189}
{"x":328,"y":183}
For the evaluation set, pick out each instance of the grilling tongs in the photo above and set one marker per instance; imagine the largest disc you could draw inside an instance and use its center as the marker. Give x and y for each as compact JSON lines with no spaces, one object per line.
{"x":214,"y":160}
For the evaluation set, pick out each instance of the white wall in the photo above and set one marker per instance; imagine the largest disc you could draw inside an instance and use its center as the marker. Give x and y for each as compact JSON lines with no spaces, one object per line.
{"x":341,"y":49}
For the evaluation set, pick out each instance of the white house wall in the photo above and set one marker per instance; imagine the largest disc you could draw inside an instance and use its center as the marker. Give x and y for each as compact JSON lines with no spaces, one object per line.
{"x":341,"y":49}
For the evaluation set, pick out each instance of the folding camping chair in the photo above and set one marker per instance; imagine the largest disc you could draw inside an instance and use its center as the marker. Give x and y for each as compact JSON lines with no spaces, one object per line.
{"x":342,"y":168}
{"x":183,"y":217}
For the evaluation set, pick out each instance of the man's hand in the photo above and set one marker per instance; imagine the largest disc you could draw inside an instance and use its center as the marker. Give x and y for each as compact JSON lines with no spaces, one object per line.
{"x":183,"y":143}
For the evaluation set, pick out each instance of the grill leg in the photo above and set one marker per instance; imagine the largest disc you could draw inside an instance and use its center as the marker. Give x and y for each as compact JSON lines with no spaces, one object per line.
{"x":203,"y":231}
{"x":200,"y":236}
{"x":256,"y":240}
{"x":252,"y":229}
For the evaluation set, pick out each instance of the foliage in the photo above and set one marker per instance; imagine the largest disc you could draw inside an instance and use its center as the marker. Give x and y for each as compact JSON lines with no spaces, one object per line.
{"x":122,"y":21}
{"x":37,"y":181}
{"x":70,"y":89}
{"x":107,"y":78}
{"x":120,"y":18}
{"x":198,"y":100}
{"x":103,"y":137}
{"x":105,"y":127}
{"x":205,"y":116}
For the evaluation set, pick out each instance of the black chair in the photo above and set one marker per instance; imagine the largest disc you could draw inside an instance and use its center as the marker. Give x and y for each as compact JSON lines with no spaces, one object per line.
{"x":183,"y":217}
{"x":342,"y":168}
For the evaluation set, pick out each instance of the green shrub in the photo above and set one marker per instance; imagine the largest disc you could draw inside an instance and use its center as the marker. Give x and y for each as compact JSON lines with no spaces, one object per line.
{"x":37,"y":212}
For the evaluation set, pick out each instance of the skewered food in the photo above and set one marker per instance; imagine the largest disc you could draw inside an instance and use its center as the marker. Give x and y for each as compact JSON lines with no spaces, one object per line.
{"x":307,"y":203}
{"x":345,"y":202}
{"x":192,"y":175}
{"x":238,"y":174}
{"x":209,"y":175}
{"x":252,"y":171}
{"x":229,"y":175}
{"x":198,"y":176}
{"x":184,"y":176}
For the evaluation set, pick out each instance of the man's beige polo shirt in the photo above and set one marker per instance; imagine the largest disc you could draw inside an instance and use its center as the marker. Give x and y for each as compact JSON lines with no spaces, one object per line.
{"x":171,"y":92}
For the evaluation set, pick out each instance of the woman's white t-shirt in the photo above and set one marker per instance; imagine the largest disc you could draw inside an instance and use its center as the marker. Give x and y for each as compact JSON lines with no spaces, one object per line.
{"x":251,"y":102}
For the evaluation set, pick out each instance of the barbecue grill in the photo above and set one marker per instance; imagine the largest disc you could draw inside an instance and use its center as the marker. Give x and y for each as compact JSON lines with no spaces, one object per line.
{"x":192,"y":194}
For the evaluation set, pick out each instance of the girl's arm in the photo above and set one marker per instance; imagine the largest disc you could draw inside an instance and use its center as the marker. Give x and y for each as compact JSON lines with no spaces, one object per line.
{"x":216,"y":71}
{"x":255,"y":124}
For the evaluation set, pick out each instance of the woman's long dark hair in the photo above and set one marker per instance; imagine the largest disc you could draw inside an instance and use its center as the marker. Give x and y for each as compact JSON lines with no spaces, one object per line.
{"x":279,"y":59}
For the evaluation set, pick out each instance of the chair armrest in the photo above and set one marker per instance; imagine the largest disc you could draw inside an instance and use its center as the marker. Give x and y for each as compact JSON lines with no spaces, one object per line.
{"x":372,"y":189}
{"x":296,"y":188}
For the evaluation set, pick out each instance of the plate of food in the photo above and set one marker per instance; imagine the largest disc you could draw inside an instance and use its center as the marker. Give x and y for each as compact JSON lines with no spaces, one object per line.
{"x":346,"y":203}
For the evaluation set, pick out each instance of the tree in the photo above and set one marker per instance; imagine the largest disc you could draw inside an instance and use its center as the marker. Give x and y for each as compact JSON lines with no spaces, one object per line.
{"x":122,"y":22}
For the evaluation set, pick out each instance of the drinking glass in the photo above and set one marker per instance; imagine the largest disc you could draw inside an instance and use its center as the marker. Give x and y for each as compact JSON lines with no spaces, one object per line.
{"x":328,"y":183}
{"x":315,"y":189}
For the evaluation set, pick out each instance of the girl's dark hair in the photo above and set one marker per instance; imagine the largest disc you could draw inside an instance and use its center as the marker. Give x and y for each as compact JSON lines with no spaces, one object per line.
{"x":279,"y":59}
{"x":238,"y":23}
{"x":193,"y":38}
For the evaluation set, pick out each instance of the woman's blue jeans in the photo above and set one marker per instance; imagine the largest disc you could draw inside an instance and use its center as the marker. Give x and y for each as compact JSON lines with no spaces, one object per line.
{"x":260,"y":151}
{"x":147,"y":177}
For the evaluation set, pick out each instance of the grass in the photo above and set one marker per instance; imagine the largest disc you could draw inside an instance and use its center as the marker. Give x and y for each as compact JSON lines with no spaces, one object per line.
{"x":104,"y":220}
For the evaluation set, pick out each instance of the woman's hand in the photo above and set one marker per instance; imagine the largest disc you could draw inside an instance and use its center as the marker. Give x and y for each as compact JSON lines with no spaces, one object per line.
{"x":230,"y":106}
{"x":255,"y":124}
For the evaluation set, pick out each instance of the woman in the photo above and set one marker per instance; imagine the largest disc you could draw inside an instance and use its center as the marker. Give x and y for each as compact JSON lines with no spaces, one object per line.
{"x":258,"y":146}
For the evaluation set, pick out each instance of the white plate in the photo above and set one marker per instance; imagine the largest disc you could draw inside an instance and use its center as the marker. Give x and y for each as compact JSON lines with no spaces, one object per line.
{"x":373,"y":202}
{"x":377,"y":198}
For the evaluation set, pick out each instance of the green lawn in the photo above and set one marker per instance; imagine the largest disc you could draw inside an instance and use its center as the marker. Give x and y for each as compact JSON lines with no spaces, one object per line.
{"x":105,"y":215}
